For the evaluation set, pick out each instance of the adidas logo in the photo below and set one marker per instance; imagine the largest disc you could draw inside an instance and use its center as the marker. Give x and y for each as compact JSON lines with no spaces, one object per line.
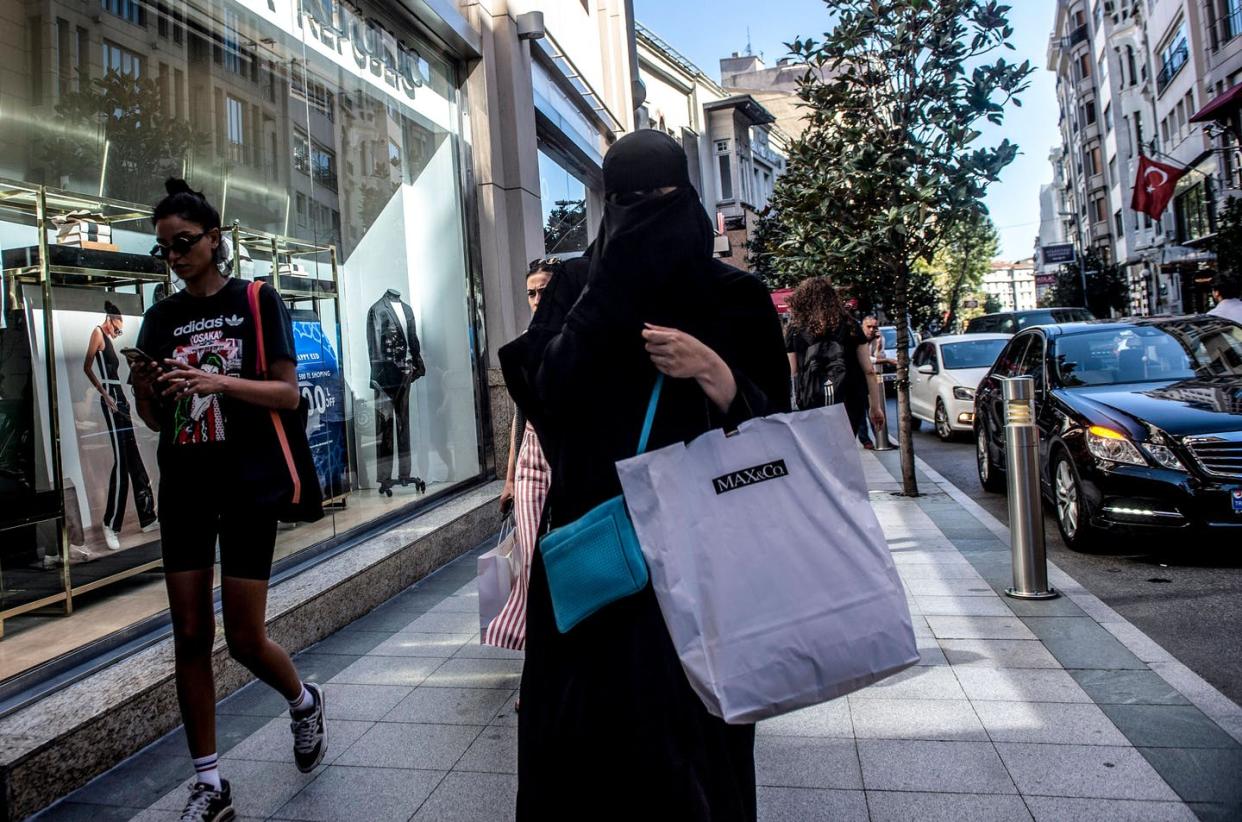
{"x":234,"y":321}
{"x":198,"y":325}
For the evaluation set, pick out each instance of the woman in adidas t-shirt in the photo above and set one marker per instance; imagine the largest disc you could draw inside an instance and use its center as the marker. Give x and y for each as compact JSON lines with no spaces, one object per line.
{"x":210,"y":407}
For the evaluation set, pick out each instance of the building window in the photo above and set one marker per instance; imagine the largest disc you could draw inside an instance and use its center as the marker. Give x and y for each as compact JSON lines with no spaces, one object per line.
{"x":323,"y":166}
{"x":231,"y":40}
{"x":235,"y":129}
{"x":1119,"y":223}
{"x":1134,"y":79}
{"x":1194,"y":220}
{"x":130,"y":10}
{"x":726,"y":177}
{"x":1138,"y":131}
{"x":1084,"y":66}
{"x":1108,"y":118}
{"x":121,"y":60}
{"x":1088,"y":112}
{"x":1173,"y":57}
{"x":1232,"y":22}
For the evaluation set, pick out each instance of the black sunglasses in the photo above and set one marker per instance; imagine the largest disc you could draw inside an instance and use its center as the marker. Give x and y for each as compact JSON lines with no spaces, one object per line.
{"x":543,"y":263}
{"x":180,"y":245}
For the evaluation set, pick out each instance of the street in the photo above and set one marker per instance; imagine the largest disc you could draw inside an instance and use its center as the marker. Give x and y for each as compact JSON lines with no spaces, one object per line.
{"x":1186,"y":595}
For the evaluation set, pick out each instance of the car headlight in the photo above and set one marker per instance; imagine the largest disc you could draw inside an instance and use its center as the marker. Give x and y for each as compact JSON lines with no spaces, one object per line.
{"x":1110,"y":446}
{"x":962,"y":392}
{"x":1164,"y":455}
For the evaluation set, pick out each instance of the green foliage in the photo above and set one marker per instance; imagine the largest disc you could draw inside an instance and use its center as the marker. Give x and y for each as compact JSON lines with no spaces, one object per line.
{"x":123,"y":114}
{"x":1228,"y":241}
{"x":890,"y":162}
{"x":960,"y":264}
{"x":759,"y":248}
{"x":992,"y":304}
{"x":566,"y":229}
{"x":1108,"y":290}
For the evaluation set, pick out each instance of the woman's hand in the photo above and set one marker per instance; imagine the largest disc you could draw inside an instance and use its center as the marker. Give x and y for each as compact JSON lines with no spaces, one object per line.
{"x":506,"y":497}
{"x":110,"y":402}
{"x":184,"y":380}
{"x":679,"y":355}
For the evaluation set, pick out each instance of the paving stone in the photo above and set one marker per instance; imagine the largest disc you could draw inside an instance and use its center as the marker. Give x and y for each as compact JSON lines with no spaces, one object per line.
{"x":937,"y":767}
{"x":963,"y":570}
{"x":1200,"y":774}
{"x":458,"y":603}
{"x":471,"y":797}
{"x":930,"y":652}
{"x":1061,"y":606}
{"x":388,"y":670}
{"x":915,"y":719}
{"x":825,"y":719}
{"x":1215,"y":811}
{"x":940,"y":559}
{"x":915,"y":683}
{"x":366,"y":702}
{"x":508,"y":715}
{"x":259,"y":788}
{"x":811,"y":805}
{"x":974,"y":606}
{"x":384,"y":619}
{"x":802,"y":762}
{"x":428,"y":645}
{"x":402,"y":745}
{"x":476,"y":650}
{"x":1080,"y":642}
{"x":274,"y":742}
{"x":450,"y":622}
{"x":349,"y":643}
{"x":1028,"y":685}
{"x":374,"y":794}
{"x":1091,"y":771}
{"x":494,"y":751}
{"x":1128,"y":688}
{"x":978,"y":627}
{"x":1062,"y":809}
{"x":1059,"y":723}
{"x":320,"y":667}
{"x":476,"y":673}
{"x":998,"y":653}
{"x":948,"y":587}
{"x":138,"y":781}
{"x":84,"y":812}
{"x":1169,"y":726}
{"x":451,"y":706}
{"x":255,"y":699}
{"x":890,"y":806}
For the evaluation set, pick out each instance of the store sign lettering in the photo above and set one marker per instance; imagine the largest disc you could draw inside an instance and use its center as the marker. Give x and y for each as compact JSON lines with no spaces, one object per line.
{"x":373,"y":49}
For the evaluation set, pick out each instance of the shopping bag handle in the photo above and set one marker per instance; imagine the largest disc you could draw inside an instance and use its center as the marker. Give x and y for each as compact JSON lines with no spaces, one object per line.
{"x":651,"y":412}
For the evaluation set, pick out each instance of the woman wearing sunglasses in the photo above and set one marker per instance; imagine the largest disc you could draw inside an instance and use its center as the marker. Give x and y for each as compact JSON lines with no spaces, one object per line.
{"x":202,"y":392}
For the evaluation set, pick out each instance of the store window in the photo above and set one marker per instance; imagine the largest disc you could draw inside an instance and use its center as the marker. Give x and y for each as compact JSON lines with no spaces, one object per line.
{"x":369,"y":256}
{"x":564,"y":197}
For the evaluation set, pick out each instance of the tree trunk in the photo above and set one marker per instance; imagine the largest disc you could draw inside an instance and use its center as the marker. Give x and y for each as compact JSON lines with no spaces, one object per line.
{"x":909,"y":483}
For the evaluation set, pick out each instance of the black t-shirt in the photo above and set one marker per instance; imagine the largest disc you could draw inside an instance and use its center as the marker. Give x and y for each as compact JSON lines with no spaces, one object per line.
{"x":848,"y":335}
{"x":215,"y":333}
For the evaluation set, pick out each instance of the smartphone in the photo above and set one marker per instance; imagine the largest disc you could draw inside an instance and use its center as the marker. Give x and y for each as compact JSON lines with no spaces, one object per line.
{"x":137,"y":355}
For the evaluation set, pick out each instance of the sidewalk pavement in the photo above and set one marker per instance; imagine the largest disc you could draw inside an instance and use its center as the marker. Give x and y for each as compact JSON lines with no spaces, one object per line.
{"x":1055,"y":710}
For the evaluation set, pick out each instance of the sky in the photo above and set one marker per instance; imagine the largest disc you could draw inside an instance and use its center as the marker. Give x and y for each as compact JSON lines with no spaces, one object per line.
{"x":706,"y":30}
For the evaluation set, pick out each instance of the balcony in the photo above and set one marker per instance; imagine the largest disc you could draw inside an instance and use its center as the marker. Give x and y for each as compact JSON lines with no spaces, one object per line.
{"x":1173,"y":66}
{"x":1230,"y":26}
{"x":1078,"y":35}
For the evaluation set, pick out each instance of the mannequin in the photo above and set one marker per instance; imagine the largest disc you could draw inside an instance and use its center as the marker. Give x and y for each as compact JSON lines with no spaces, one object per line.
{"x":396,"y":362}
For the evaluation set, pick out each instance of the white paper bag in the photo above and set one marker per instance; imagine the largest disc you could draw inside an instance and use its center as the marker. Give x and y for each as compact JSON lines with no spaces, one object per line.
{"x":769,"y":565}
{"x":498,"y":571}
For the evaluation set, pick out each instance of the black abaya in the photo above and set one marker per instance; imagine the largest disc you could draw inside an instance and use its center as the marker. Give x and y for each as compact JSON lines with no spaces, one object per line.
{"x":609,"y":726}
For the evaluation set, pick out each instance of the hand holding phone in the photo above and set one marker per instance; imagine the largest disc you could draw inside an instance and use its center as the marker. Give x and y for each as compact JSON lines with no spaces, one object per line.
{"x":143,"y":370}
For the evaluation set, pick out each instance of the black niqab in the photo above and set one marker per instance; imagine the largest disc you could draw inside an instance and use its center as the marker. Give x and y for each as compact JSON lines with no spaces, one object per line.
{"x":607,"y":707}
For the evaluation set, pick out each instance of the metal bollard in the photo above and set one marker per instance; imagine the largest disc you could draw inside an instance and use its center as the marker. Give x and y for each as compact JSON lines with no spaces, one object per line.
{"x":1026,"y":517}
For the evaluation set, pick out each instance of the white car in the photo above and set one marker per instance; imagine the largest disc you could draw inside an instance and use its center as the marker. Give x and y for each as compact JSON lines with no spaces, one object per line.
{"x":944,"y":373}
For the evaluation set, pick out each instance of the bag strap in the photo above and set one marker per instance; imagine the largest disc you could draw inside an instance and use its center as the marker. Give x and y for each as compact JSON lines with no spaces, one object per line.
{"x":252,"y":293}
{"x":651,"y":412}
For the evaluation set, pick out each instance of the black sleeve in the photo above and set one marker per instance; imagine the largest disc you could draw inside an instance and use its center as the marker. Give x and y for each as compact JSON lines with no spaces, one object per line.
{"x":791,"y":340}
{"x":277,"y":327}
{"x":759,"y":362}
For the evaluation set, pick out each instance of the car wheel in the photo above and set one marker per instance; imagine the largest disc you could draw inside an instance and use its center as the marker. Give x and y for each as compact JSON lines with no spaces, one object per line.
{"x":990,"y":476}
{"x":943,"y":429}
{"x":1073,"y":521}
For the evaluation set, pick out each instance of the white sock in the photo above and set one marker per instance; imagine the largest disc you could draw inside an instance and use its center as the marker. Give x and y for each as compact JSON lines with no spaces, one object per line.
{"x":304,"y":702}
{"x":208,"y":769}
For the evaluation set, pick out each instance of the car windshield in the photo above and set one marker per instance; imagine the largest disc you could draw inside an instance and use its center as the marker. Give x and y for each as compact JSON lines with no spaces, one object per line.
{"x":890,"y":337}
{"x":1053,"y":316}
{"x":1175,"y":350}
{"x":974,"y":354}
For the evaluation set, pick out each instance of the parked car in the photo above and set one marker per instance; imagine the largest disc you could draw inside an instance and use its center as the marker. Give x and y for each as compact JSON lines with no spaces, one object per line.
{"x":889,"y":372}
{"x":1011,"y":322}
{"x":945,"y":372}
{"x":1140,"y":424}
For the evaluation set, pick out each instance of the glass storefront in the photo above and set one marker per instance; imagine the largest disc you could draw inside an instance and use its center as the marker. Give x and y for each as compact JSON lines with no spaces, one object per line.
{"x":331,"y":138}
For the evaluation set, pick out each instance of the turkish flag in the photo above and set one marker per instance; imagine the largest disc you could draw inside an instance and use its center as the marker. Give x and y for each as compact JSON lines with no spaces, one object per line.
{"x":1154,"y":185}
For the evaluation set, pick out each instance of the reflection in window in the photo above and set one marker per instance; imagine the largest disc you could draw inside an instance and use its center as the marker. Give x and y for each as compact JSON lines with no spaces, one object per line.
{"x":323,"y":166}
{"x":235,"y":128}
{"x":130,"y":10}
{"x":564,"y":207}
{"x":121,"y":60}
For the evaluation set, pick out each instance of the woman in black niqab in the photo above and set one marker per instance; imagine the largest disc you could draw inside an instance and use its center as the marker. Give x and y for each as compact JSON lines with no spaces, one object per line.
{"x":609,"y":726}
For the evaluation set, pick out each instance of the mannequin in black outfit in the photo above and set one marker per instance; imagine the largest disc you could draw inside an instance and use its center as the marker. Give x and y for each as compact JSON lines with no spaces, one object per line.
{"x":396,"y":362}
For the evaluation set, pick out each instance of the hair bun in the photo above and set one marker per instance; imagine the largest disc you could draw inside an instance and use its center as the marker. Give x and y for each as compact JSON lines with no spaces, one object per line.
{"x":110,"y":308}
{"x":176,"y":185}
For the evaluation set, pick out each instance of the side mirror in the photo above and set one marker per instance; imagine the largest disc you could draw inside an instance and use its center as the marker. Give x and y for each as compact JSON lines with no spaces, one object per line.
{"x":927,"y":368}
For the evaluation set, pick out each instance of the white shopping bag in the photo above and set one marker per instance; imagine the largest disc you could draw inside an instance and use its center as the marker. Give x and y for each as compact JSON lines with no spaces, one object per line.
{"x":498,"y":572}
{"x":769,"y":565}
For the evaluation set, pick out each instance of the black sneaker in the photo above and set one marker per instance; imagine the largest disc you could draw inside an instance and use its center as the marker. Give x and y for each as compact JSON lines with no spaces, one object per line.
{"x":209,"y":805}
{"x":310,"y":733}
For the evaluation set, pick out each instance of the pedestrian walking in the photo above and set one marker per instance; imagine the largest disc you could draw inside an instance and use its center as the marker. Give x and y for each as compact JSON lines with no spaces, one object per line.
{"x":201,"y":386}
{"x":610,"y":727}
{"x":830,"y":356}
{"x":525,"y":491}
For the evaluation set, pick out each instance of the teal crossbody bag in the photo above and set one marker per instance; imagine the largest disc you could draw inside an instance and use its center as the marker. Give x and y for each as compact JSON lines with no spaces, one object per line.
{"x":596,"y":559}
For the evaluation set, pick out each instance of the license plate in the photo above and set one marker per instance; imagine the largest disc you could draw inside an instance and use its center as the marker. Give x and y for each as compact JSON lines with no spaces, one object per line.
{"x":1237,"y":500}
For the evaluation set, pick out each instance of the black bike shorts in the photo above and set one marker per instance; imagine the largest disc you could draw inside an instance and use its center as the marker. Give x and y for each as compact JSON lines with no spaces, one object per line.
{"x":188,"y":539}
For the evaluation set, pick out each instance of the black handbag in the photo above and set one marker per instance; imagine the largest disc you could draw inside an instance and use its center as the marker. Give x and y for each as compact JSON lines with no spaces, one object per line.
{"x":300,"y":498}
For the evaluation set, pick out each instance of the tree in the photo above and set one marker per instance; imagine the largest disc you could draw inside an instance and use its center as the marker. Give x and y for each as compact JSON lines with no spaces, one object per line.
{"x":992,"y":304}
{"x":566,"y":229}
{"x":759,"y":251}
{"x":958,"y":267}
{"x":887,"y":165}
{"x":1107,"y":287}
{"x":120,"y":117}
{"x":1228,"y":240}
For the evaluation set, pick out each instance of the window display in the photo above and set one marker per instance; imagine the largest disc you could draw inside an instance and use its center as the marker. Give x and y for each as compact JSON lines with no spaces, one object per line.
{"x":329,"y":137}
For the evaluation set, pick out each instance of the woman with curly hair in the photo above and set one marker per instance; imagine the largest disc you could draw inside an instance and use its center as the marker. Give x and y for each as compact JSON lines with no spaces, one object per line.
{"x":828,"y":355}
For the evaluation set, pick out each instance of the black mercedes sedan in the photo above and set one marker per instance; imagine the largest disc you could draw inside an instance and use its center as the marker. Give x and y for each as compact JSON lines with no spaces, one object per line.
{"x":1140,"y":425}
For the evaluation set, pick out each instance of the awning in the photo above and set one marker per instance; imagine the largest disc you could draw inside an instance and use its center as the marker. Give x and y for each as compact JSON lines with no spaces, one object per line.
{"x":1220,"y":108}
{"x":780,"y":298}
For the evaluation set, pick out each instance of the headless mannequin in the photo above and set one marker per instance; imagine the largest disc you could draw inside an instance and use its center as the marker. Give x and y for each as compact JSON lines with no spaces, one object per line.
{"x":395,"y":365}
